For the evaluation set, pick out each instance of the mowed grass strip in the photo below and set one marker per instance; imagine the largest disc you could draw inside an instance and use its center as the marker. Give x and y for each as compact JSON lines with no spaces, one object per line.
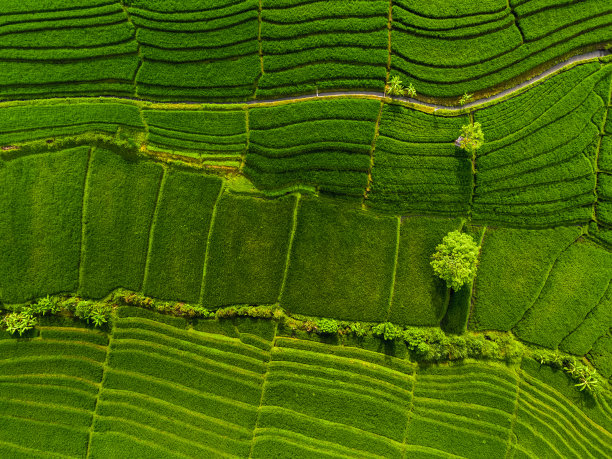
{"x":248,"y":250}
{"x":578,"y":281}
{"x":341,"y":262}
{"x":40,"y":219}
{"x":179,"y":236}
{"x":121,"y":197}
{"x":513,"y":267}
{"x":419,"y":298}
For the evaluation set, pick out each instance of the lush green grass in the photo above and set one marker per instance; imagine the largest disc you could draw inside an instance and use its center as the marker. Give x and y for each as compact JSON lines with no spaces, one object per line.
{"x":419,"y":298}
{"x":40,"y":224}
{"x":248,"y":250}
{"x":514,"y":264}
{"x":575,"y":286}
{"x":341,"y":262}
{"x":180,"y":231}
{"x":601,"y":355}
{"x":120,"y":198}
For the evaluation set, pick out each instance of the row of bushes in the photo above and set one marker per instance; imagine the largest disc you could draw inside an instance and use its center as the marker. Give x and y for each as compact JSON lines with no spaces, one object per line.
{"x":425,"y":344}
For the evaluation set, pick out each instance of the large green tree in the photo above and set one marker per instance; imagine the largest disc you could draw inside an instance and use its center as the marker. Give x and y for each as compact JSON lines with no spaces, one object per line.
{"x":456,"y":259}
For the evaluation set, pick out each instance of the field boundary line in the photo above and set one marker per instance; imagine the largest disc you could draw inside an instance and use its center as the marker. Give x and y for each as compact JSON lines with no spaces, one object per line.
{"x":85,"y":198}
{"x":473,"y":287}
{"x":599,"y":301}
{"x":596,"y":170}
{"x":552,"y":266}
{"x":395,"y":263}
{"x":248,"y":139}
{"x":211,"y":227}
{"x":389,"y":26}
{"x":263,"y":389}
{"x":260,"y":50}
{"x":294,"y":222}
{"x":138,"y":50}
{"x":514,"y":15}
{"x":410,"y":410}
{"x":511,"y":445}
{"x":101,"y":384}
{"x":372,"y":149}
{"x":450,"y":110}
{"x":160,"y":190}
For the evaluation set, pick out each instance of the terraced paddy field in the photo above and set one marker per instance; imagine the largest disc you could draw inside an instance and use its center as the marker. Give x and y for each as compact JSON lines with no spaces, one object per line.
{"x":195,"y":50}
{"x":241,"y":167}
{"x":154,"y":386}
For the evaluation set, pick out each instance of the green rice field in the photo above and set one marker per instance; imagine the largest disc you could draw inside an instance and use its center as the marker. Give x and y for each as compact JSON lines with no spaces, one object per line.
{"x":217,"y":222}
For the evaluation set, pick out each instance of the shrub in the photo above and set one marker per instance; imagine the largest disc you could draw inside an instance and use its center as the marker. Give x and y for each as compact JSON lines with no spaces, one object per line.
{"x":456,"y":259}
{"x":92,"y":312}
{"x":326,"y":327}
{"x":472,"y":137}
{"x":359,"y":330}
{"x":47,"y":305}
{"x":465,"y":98}
{"x":395,"y":87}
{"x":387,"y":331}
{"x":19,"y":321}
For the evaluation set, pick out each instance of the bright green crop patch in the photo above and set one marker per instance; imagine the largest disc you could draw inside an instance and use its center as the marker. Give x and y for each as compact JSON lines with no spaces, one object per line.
{"x":180,"y":232}
{"x":417,"y":168}
{"x":218,"y":132}
{"x":34,"y":121}
{"x":248,"y":250}
{"x":419,"y":298}
{"x":40,"y":224}
{"x":323,"y":143}
{"x":575,"y":286}
{"x":513,"y":267}
{"x":341,"y":262}
{"x":120,"y":198}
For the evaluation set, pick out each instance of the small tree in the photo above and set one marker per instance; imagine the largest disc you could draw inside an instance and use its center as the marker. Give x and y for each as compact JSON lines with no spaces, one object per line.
{"x":410,"y":91}
{"x":465,"y":98}
{"x":395,"y":87}
{"x":471,"y":138}
{"x":456,"y":259}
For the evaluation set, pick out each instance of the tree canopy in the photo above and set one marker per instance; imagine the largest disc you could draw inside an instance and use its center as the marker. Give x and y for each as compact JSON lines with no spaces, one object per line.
{"x":456,"y":259}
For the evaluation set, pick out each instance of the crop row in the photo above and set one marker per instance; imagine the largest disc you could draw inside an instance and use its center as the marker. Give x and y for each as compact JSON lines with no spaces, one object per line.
{"x":49,"y":390}
{"x":186,"y":393}
{"x":241,"y":50}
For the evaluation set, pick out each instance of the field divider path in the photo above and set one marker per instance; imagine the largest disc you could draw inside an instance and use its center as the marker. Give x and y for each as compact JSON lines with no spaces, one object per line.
{"x":105,"y":365}
{"x":512,"y":446}
{"x":414,"y":103}
{"x":389,"y":27}
{"x":395,"y":263}
{"x":597,"y":171}
{"x":208,"y":237}
{"x":160,"y":190}
{"x":545,"y":280}
{"x":139,"y":51}
{"x":85,"y":198}
{"x":290,"y":245}
{"x":372,"y":149}
{"x":410,"y":411}
{"x":263,"y":389}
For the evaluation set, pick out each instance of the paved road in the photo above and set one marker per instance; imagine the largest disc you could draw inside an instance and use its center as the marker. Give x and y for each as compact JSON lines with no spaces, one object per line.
{"x":518,"y":87}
